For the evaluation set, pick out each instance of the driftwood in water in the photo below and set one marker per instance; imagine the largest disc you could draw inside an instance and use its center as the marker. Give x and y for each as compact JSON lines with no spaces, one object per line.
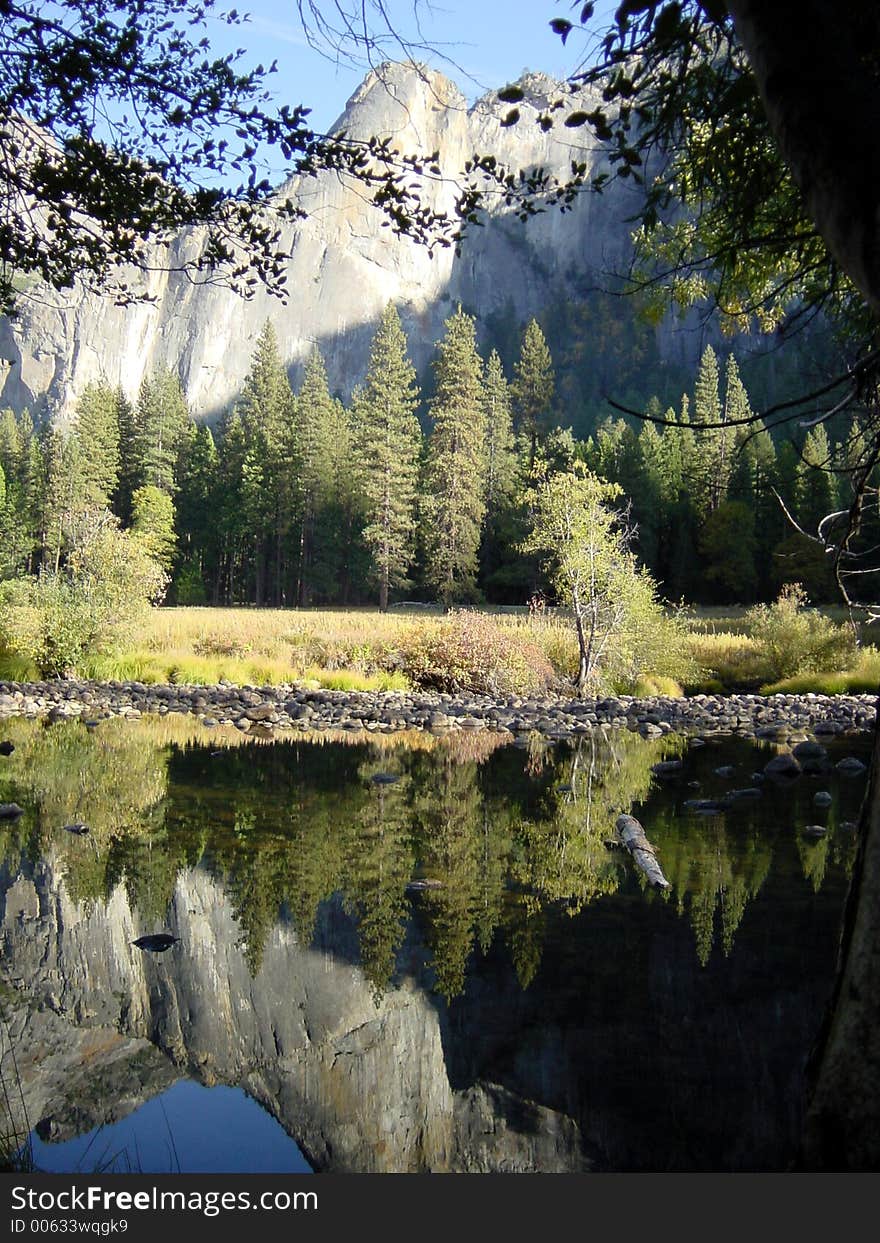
{"x":632,"y":835}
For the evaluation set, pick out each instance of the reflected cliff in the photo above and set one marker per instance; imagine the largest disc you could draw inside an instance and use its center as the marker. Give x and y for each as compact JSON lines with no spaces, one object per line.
{"x":421,"y":954}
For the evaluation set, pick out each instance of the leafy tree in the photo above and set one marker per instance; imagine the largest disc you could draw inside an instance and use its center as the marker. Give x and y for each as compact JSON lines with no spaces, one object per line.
{"x":60,"y":619}
{"x":591,"y":566}
{"x":152,"y":524}
{"x":388,"y":444}
{"x":454,"y":503}
{"x":795,"y":639}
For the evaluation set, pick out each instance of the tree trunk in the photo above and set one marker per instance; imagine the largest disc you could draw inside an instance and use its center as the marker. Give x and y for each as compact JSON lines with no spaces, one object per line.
{"x":819,"y":87}
{"x":632,"y":835}
{"x":819,"y":91}
{"x":842,"y":1127}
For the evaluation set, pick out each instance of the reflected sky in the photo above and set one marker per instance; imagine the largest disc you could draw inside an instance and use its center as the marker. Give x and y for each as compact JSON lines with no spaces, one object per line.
{"x":189,"y":1129}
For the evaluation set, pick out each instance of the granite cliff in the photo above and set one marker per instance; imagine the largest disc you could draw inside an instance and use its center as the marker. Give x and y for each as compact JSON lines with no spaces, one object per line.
{"x":98,"y":1027}
{"x":343,"y":268}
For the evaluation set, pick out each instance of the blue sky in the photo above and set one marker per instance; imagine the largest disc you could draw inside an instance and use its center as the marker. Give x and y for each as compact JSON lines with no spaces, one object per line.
{"x":490,"y":42}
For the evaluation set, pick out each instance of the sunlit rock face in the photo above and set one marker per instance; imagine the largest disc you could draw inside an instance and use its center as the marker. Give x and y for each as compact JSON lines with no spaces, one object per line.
{"x":344,"y":265}
{"x":361,"y":1085}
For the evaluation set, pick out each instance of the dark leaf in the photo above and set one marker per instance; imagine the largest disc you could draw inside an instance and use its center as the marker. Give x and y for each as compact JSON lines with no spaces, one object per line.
{"x":562,"y":27}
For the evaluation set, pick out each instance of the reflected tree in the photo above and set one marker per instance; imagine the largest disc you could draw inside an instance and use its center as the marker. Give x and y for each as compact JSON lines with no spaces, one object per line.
{"x":379,"y":862}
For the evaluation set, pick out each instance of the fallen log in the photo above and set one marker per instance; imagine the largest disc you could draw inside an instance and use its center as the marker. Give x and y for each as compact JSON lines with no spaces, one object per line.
{"x":632,"y":836}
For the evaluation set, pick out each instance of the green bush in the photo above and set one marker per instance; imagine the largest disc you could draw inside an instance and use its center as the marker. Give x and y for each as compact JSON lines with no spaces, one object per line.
{"x":91,"y":607}
{"x":468,"y":651}
{"x":794,"y":639}
{"x":653,"y":645}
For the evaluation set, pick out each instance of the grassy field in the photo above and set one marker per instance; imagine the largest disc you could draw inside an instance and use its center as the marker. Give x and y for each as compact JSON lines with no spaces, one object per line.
{"x":360,"y":649}
{"x":355,"y":649}
{"x":349,"y":649}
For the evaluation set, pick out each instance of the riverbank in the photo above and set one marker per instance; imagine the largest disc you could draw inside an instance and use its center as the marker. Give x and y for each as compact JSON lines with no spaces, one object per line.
{"x":269,"y":709}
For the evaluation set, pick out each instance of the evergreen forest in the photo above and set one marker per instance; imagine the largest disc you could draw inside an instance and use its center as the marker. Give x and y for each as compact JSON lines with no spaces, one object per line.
{"x":296,"y":498}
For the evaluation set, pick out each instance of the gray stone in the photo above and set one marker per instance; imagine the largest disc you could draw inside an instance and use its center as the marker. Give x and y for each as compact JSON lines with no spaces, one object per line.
{"x":783,"y":765}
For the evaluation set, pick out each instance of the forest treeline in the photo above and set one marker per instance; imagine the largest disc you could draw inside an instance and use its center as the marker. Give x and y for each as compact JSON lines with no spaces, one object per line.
{"x":296,"y":498}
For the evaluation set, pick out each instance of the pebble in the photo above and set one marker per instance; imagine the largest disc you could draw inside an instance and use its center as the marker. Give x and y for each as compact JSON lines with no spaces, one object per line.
{"x":554,"y":715}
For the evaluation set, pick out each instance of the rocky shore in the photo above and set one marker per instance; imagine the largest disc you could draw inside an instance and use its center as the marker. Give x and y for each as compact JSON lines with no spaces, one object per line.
{"x":268,"y":709}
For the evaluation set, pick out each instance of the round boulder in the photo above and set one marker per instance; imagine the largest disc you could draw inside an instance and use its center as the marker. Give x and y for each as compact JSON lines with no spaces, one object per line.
{"x":783,"y":766}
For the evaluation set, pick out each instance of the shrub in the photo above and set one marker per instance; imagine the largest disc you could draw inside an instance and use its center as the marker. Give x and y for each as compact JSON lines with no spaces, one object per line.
{"x":653,"y":644}
{"x":92,"y":607}
{"x":794,"y":639}
{"x":469,"y":651}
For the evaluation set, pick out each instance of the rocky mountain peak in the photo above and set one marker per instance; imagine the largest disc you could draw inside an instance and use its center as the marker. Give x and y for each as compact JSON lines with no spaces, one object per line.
{"x":344,"y":266}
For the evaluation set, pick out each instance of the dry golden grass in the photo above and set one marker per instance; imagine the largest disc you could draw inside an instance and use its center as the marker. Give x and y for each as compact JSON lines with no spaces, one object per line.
{"x":354,"y":649}
{"x":327,"y":646}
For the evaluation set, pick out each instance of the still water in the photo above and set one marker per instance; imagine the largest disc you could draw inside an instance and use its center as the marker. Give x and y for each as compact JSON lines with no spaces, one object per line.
{"x":404,"y":954}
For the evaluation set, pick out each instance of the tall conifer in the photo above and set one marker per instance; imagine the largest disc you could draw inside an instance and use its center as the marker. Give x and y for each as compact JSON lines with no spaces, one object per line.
{"x":533,"y":388}
{"x":160,"y":421}
{"x":388,"y":443}
{"x":454,"y":503}
{"x":96,"y":429}
{"x":313,"y":419}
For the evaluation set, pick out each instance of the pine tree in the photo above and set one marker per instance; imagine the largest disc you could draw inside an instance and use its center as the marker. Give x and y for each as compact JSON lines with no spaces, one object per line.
{"x":501,"y":532}
{"x":533,"y":389}
{"x":650,"y":500}
{"x":752,"y":481}
{"x":231,"y":523}
{"x":11,"y":534}
{"x":56,"y":478}
{"x":10,"y":444}
{"x":680,"y":445}
{"x":313,"y":419}
{"x":96,"y":430}
{"x":388,"y":443}
{"x":454,"y":504}
{"x":501,"y":463}
{"x":266,"y":411}
{"x":712,"y":461}
{"x":161,"y":418}
{"x":341,"y":562}
{"x":21,"y":467}
{"x":815,"y":491}
{"x":196,"y":516}
{"x":130,"y":474}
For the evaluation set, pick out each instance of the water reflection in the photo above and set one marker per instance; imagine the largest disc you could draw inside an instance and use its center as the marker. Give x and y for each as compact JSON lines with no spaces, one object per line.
{"x":310,"y":968}
{"x":166,"y":1135}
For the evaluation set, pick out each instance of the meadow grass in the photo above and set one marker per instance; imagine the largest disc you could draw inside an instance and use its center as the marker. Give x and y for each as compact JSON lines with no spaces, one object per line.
{"x":359,"y":649}
{"x":863,"y":678}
